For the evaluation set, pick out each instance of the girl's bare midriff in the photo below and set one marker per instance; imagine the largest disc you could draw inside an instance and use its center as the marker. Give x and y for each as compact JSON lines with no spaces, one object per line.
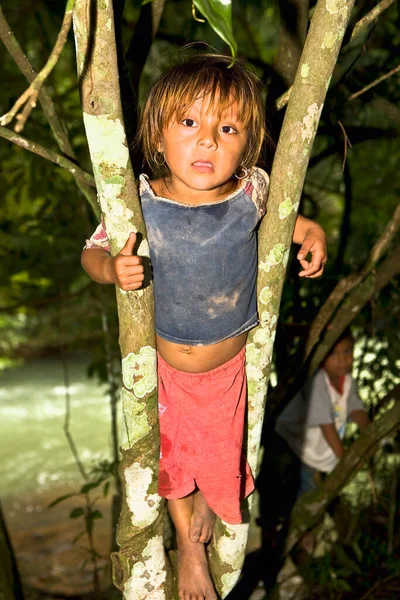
{"x":198,"y":359}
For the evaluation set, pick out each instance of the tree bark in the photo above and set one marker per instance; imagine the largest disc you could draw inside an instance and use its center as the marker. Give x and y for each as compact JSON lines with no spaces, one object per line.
{"x":141,"y":567}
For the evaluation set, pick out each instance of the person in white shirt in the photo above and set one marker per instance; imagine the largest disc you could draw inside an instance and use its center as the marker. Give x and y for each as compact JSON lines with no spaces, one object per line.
{"x":313,"y":424}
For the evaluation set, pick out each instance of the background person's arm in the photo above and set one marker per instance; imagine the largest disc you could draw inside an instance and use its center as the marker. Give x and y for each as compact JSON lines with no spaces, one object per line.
{"x":360,"y":417}
{"x":332,"y":437}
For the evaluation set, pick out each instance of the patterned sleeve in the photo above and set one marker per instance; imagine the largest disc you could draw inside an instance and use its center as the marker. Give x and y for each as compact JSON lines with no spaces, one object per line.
{"x":99,"y":238}
{"x":257,"y":189}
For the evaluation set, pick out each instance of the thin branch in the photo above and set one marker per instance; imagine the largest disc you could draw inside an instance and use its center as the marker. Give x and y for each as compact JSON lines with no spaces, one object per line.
{"x":374,"y":83}
{"x":345,"y":227}
{"x":67,"y":415}
{"x":113,"y":385}
{"x":282,"y":101}
{"x":29,"y":98}
{"x":348,"y":283}
{"x":366,"y":290}
{"x":346,"y":143}
{"x":370,"y":17}
{"x":49,"y":107}
{"x":58,"y":159}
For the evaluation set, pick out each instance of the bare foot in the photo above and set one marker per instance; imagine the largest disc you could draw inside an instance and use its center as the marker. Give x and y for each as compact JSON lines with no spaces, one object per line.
{"x":202,"y":521}
{"x":194,"y":581}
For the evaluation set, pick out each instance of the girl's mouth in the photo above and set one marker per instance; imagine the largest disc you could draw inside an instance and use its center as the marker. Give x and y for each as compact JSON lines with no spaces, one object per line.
{"x":204,"y":166}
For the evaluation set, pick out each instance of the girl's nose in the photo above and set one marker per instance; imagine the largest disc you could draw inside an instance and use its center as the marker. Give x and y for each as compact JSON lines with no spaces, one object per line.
{"x":207,"y":139}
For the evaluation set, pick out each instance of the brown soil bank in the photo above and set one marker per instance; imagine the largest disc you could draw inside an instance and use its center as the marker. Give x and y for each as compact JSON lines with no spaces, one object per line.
{"x":51,"y":563}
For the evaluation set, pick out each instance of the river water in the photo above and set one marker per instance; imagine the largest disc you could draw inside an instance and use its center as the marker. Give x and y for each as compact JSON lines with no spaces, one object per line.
{"x":34,"y":452}
{"x":37,"y":466}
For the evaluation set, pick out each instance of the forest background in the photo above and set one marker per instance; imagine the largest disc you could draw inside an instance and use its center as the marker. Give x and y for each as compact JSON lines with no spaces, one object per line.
{"x":48,"y":306}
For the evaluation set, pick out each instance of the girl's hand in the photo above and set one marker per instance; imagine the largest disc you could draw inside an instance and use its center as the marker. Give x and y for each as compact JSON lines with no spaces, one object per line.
{"x":315,"y":244}
{"x":126,"y":269}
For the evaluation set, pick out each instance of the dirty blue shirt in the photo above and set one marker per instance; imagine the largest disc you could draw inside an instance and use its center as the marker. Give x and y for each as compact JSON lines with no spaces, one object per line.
{"x":204,"y":260}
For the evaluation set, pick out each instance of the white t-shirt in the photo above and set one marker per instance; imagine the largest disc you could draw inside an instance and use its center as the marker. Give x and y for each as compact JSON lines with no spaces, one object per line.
{"x":318,"y":403}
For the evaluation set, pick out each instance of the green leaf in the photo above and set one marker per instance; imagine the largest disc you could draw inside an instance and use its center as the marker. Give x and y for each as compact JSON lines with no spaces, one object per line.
{"x":60,"y":499}
{"x":76,"y":512}
{"x":90,"y":486}
{"x":96,"y":514}
{"x":219,"y":15}
{"x":106,"y":488}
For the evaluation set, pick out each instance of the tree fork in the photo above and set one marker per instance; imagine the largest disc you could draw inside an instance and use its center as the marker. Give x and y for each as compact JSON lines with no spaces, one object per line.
{"x":142,"y":554}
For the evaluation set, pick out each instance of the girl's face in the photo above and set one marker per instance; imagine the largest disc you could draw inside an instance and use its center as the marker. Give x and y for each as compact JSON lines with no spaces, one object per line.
{"x":202,"y":151}
{"x":340,"y":361}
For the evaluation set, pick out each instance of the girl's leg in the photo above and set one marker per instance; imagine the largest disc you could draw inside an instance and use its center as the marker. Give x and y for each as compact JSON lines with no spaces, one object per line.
{"x":202,"y":521}
{"x":194,"y":581}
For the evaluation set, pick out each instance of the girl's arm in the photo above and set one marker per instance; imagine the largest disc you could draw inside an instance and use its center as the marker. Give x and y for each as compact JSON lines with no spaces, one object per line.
{"x":332,"y":437}
{"x":312,"y":238}
{"x":125,"y":269}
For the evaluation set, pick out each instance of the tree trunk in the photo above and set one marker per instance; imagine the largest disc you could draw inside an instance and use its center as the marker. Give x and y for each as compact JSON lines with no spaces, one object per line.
{"x":141,"y":566}
{"x":141,"y":569}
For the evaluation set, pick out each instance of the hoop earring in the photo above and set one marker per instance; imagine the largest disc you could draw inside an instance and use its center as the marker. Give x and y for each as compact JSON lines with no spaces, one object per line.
{"x":162,"y":163}
{"x":244,"y":171}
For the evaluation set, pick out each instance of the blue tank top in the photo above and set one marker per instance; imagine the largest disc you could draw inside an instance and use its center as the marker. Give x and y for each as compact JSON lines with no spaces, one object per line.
{"x":204,"y":260}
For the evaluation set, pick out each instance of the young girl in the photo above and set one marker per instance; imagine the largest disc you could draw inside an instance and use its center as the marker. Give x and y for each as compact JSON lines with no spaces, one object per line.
{"x":203,"y":123}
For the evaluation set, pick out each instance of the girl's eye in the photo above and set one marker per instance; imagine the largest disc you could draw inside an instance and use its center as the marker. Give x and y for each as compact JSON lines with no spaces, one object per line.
{"x":188,"y":122}
{"x":228,"y":129}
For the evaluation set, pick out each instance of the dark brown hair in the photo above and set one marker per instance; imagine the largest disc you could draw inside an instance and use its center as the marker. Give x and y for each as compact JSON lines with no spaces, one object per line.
{"x":207,"y":75}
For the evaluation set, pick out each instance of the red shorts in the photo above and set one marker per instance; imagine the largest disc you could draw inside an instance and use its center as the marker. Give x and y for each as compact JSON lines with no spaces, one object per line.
{"x":201,"y":427}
